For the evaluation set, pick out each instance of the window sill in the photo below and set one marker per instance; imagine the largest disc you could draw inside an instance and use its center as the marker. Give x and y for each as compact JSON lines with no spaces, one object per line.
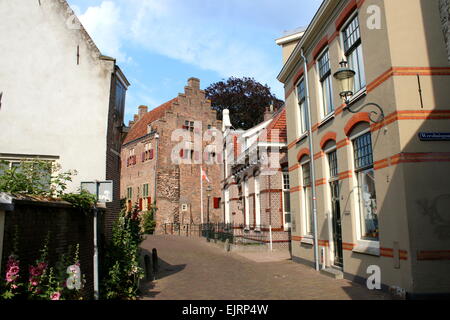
{"x":327,"y":119}
{"x":368,"y":247}
{"x":302,"y":137}
{"x":358,"y":96}
{"x":307,"y":240}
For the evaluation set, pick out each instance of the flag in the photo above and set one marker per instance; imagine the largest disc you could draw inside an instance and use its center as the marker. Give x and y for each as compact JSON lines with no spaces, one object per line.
{"x":204,"y":176}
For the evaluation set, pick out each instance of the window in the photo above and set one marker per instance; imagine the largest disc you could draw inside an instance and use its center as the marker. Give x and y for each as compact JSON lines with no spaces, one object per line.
{"x":307,"y":199}
{"x":120,"y":98}
{"x":246,"y":204}
{"x":325,"y":81}
{"x":303,"y":121}
{"x":189,"y":125}
{"x":129,"y":193}
{"x":368,"y":216}
{"x":286,"y":198}
{"x":145,"y":190}
{"x":332,"y":162}
{"x":353,"y":51}
{"x":257,"y":202}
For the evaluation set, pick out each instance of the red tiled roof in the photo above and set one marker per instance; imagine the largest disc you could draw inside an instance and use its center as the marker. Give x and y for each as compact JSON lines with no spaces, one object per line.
{"x":139,"y":129}
{"x":278,"y":123}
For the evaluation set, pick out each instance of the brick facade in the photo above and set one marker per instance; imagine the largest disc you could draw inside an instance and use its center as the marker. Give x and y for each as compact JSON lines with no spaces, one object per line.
{"x":67,"y":225}
{"x":150,"y":156}
{"x":271,"y":196}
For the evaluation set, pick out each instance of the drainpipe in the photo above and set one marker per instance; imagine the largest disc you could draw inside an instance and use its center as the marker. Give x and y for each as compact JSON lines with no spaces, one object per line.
{"x":156,"y":167}
{"x":312,"y":164}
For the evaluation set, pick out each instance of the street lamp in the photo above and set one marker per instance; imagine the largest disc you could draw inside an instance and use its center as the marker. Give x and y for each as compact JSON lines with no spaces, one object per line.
{"x":346,"y":81}
{"x":208,"y":190}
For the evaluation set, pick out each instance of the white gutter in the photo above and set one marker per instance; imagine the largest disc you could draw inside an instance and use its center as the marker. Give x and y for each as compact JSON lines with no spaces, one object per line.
{"x":312,"y":165}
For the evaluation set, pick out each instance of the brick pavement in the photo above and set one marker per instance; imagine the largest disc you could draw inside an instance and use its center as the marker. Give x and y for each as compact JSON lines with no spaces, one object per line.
{"x":192,"y":269}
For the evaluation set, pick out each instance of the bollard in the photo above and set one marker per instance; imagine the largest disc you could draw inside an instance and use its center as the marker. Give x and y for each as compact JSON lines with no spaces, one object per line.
{"x":148,"y":271}
{"x":155,"y":266}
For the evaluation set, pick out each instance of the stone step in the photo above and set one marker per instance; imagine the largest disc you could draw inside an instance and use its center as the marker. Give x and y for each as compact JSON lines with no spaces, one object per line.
{"x":332,"y":273}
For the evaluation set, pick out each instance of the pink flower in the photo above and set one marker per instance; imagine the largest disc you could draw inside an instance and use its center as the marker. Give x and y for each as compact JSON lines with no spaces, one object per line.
{"x":34,"y":282}
{"x":35,"y":272}
{"x":10,"y":277}
{"x":55,"y":296}
{"x":42,"y":265}
{"x":14,"y":270}
{"x":14,"y":286}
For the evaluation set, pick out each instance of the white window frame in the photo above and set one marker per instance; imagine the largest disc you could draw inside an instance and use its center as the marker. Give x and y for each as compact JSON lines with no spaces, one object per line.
{"x":246,"y":204}
{"x":363,"y":245}
{"x":257,"y":184}
{"x":302,"y":111}
{"x":287,"y":225}
{"x":357,"y":50}
{"x":325,"y":114}
{"x":227,"y":205}
{"x":306,"y":200}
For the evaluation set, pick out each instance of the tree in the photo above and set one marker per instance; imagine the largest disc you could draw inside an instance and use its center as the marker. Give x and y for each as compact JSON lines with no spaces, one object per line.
{"x":246,"y":99}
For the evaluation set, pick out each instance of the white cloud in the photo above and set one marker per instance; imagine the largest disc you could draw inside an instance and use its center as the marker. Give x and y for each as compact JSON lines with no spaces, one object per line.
{"x":106,"y":27}
{"x":232,"y":38}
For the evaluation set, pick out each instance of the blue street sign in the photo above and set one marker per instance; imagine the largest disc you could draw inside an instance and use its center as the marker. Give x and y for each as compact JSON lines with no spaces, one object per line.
{"x":434,"y":136}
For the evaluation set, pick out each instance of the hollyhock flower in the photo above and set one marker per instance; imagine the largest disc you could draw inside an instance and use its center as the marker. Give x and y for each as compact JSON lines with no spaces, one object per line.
{"x":42,"y":265}
{"x":14,"y":270}
{"x":14,"y":286}
{"x":10,"y":277}
{"x":56,"y":296}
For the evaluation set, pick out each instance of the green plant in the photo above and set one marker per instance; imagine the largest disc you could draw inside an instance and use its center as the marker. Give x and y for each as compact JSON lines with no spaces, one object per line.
{"x":122,"y":258}
{"x":82,"y":200}
{"x":11,"y":288}
{"x":148,"y":220}
{"x":35,"y":177}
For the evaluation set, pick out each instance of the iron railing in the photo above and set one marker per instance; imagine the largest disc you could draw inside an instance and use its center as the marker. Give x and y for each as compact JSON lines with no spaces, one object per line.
{"x":234,"y":233}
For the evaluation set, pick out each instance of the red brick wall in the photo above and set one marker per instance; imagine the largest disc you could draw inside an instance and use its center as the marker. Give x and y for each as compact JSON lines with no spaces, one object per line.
{"x":67,"y":225}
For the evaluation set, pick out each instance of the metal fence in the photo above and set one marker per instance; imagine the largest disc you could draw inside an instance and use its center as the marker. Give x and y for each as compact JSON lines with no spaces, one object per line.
{"x":235,"y":234}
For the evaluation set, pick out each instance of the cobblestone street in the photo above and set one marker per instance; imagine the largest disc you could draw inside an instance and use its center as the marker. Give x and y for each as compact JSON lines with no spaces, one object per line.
{"x":192,"y":269}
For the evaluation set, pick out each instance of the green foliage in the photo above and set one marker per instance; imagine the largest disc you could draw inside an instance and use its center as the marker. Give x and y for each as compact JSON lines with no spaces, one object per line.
{"x":246,"y":99}
{"x":148,"y":221}
{"x":34,"y":177}
{"x":44,"y":281}
{"x":82,"y":200}
{"x":122,"y":258}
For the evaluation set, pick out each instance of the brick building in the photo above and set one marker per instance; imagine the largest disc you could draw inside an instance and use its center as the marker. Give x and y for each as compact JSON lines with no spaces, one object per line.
{"x":163,"y":155}
{"x":256,"y":189}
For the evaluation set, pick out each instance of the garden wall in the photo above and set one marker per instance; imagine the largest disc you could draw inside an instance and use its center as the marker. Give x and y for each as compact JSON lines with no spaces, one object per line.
{"x":68,"y":226}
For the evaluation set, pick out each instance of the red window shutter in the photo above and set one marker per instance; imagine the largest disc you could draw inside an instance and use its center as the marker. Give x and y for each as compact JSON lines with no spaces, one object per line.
{"x":143,"y":156}
{"x":182,"y":153}
{"x":140,"y":203}
{"x":216,"y":203}
{"x":151,"y":154}
{"x":149,"y":202}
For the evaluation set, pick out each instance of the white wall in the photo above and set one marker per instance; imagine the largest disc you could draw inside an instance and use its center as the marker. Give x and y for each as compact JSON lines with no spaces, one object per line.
{"x":51,"y":105}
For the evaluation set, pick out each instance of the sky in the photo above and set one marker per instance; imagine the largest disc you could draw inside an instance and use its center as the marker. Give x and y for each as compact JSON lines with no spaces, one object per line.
{"x":159,"y":44}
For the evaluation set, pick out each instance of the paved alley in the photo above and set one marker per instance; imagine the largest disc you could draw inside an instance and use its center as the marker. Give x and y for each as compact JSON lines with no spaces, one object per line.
{"x":192,"y":269}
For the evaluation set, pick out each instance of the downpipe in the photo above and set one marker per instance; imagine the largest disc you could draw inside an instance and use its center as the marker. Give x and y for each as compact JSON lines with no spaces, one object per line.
{"x":312,"y":164}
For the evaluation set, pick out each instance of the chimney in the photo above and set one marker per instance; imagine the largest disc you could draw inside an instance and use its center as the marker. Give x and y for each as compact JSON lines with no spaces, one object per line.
{"x":142,"y":111}
{"x":226,"y":122}
{"x":136,"y":118}
{"x":268,"y":114}
{"x":194,"y":83}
